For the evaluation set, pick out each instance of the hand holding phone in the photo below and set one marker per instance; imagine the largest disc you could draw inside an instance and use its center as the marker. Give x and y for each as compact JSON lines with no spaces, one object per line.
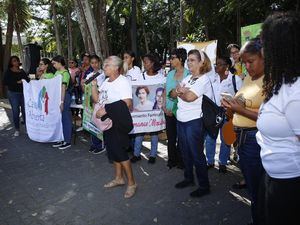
{"x":227,"y":96}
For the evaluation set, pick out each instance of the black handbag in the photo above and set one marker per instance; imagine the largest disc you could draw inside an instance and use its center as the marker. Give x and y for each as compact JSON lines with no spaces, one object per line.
{"x":213,"y":115}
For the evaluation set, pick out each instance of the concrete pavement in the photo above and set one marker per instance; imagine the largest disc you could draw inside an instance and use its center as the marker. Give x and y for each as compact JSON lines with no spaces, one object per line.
{"x":46,"y":186}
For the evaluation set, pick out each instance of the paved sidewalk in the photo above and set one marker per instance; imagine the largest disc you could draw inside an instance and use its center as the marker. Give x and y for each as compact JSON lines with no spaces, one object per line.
{"x":46,"y":186}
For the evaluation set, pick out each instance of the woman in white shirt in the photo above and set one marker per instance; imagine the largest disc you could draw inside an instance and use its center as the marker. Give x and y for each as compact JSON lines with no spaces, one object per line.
{"x":190,"y":125}
{"x":223,"y":82}
{"x":278,"y":121}
{"x":133,"y":72}
{"x":115,"y":88}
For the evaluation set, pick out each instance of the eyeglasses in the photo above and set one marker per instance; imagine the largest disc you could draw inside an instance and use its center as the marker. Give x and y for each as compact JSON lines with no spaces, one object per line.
{"x":234,"y":52}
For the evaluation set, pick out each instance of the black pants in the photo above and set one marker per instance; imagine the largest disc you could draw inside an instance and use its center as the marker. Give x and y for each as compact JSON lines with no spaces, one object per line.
{"x":279,"y":200}
{"x":174,"y":155}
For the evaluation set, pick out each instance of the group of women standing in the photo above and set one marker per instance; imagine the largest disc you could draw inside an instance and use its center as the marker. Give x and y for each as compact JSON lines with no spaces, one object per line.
{"x":264,"y":109}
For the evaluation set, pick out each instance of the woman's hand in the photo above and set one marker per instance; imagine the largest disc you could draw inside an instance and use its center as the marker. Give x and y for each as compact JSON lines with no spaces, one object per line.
{"x":234,"y":106}
{"x":101,"y":112}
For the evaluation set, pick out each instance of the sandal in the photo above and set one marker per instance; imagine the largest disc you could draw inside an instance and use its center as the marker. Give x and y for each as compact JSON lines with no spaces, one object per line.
{"x":114,"y":183}
{"x":130,"y":191}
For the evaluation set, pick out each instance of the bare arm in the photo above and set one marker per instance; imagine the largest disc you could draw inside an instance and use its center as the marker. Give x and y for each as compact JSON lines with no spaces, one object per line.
{"x":128,"y":102}
{"x":95,"y":92}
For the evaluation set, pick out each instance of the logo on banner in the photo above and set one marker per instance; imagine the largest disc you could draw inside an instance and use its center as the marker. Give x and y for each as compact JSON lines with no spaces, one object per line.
{"x":43,"y":100}
{"x":40,"y":108}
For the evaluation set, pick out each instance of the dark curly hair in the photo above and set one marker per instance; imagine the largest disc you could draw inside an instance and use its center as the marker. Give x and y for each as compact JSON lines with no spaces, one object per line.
{"x":181,"y":54}
{"x":155,"y":60}
{"x":280,"y":38}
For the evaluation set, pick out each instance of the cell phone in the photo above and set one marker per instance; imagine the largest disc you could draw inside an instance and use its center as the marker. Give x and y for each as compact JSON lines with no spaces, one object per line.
{"x":227,"y":96}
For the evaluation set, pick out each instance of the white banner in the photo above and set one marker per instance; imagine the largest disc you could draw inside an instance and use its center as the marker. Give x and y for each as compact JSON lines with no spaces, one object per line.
{"x":43,"y":116}
{"x":147,"y":114}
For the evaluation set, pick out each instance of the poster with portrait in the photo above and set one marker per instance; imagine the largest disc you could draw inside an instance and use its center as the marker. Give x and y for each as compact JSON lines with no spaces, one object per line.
{"x":147,"y":113}
{"x":88,"y":108}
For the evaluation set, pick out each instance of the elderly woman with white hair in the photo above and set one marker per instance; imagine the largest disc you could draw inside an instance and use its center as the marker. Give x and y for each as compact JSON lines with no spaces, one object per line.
{"x":115,"y":95}
{"x":190,"y":124}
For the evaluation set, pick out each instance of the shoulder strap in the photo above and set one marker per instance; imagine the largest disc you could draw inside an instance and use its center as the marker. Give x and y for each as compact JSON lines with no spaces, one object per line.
{"x":234,"y":83}
{"x":144,"y":75}
{"x":212,"y":90}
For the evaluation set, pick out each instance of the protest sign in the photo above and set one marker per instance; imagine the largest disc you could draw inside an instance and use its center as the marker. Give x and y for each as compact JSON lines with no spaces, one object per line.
{"x":42,"y":108}
{"x":147,"y":114}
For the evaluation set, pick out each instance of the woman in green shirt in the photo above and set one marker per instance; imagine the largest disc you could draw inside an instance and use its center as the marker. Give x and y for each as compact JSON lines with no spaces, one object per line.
{"x":174,"y":77}
{"x":59,"y":64}
{"x":46,"y":68}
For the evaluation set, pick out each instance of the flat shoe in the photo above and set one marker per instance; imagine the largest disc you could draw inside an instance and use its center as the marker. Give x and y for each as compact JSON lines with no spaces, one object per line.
{"x":130,"y":191}
{"x":114,"y":183}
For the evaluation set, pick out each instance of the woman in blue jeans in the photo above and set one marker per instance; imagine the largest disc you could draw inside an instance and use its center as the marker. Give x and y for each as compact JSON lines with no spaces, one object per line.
{"x":13,"y":80}
{"x":60,"y":65}
{"x":190,"y":125}
{"x":245,"y":107}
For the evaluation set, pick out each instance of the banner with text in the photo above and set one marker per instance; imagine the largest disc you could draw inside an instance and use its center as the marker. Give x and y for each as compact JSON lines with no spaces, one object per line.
{"x":88,"y":107}
{"x":147,"y":114}
{"x":42,"y":108}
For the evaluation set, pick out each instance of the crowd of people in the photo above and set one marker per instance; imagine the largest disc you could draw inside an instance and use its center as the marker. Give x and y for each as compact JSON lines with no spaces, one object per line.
{"x":261,"y":105}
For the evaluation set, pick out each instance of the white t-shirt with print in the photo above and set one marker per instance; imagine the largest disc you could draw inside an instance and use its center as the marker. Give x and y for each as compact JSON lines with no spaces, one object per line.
{"x":225,"y":85}
{"x":100,"y":78}
{"x":279,"y":124}
{"x":114,"y":91}
{"x":188,"y":111}
{"x":133,"y":74}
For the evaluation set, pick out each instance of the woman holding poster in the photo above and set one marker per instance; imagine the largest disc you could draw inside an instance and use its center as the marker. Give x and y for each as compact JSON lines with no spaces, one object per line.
{"x":59,"y":64}
{"x":190,"y":125}
{"x":152,"y":67}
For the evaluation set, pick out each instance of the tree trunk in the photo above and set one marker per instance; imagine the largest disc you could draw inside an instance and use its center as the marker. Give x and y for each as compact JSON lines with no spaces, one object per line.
{"x":145,"y":37}
{"x":238,"y":23}
{"x":1,"y":63}
{"x":57,"y":35}
{"x":92,"y":26}
{"x":19,"y":41}
{"x":133,"y":28}
{"x":171,"y":44}
{"x":102,"y":27}
{"x":9,"y":35}
{"x":69,"y":34}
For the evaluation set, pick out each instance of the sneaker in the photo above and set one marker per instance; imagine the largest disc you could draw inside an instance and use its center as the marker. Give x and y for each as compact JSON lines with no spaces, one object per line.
{"x":199,"y":193}
{"x":222,"y":169}
{"x":99,"y":151}
{"x":210,"y":166}
{"x":17,"y":133}
{"x":58,"y":144}
{"x":151,"y":160}
{"x":92,"y":149}
{"x":65,"y":145}
{"x":184,"y":184}
{"x":134,"y":159}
